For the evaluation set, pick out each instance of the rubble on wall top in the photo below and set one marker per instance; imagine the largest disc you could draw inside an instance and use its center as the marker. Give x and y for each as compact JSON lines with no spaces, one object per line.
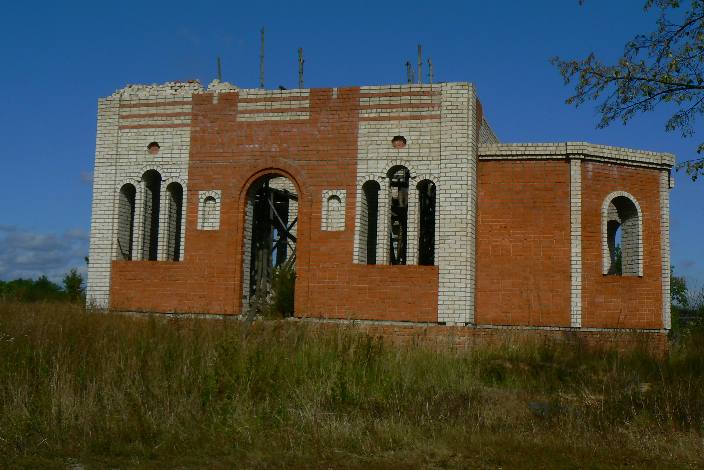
{"x":164,"y":90}
{"x":171,"y":89}
{"x":216,"y":86}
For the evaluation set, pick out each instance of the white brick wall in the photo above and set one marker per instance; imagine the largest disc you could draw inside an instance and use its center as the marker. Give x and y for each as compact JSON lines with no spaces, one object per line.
{"x":122,"y":156}
{"x":442,"y":150}
{"x":103,"y":213}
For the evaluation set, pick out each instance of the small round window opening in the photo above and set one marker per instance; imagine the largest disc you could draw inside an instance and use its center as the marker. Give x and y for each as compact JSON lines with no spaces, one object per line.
{"x":398,"y":142}
{"x":153,"y":148}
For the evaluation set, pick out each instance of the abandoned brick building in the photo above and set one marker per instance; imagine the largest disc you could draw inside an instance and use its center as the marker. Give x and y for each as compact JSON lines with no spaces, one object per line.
{"x":395,"y":203}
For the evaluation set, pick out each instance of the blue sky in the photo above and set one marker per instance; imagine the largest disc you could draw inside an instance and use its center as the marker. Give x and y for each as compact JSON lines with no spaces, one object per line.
{"x":59,"y":57}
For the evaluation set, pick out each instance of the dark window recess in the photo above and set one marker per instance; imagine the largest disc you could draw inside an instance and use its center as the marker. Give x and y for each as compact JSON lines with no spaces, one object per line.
{"x":152,"y":198}
{"x":399,"y":177}
{"x":370,"y":218}
{"x":125,"y":221}
{"x":426,"y":232}
{"x":175,"y":214}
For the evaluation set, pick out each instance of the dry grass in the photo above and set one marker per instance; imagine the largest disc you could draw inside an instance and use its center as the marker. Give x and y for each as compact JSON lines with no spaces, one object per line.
{"x":115,"y":391}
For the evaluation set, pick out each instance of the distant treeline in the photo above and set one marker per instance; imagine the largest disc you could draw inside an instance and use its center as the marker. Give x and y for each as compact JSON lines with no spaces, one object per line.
{"x":42,"y":289}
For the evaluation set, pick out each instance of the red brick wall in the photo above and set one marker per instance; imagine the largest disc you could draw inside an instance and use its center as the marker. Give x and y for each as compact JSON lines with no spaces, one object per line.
{"x":318,"y":153}
{"x":523,"y":243}
{"x":620,"y":301}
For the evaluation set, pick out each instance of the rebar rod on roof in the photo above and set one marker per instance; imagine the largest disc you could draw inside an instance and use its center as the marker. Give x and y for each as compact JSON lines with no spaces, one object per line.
{"x":300,"y":67}
{"x":261,"y":61}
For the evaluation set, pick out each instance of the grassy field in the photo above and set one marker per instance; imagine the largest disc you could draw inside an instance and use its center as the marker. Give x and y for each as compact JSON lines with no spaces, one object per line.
{"x":114,"y":391}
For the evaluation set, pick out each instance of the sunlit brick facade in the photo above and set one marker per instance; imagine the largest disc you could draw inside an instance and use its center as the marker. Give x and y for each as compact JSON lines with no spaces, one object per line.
{"x":403,"y":205}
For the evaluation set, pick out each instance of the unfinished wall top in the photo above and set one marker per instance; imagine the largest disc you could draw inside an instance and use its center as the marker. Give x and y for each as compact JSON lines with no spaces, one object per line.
{"x":558,"y":150}
{"x":164,"y":90}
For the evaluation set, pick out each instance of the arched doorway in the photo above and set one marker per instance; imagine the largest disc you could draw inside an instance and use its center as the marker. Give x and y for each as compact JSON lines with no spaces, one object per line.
{"x":270,"y":235}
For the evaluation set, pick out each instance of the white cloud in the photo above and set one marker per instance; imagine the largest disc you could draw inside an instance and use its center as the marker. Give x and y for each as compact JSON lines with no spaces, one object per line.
{"x":28,"y":254}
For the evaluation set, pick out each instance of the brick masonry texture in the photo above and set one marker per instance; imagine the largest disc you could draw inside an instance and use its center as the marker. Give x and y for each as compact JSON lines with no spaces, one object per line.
{"x":621,"y":301}
{"x":319,"y":153}
{"x":523,"y":243}
{"x":519,"y":228}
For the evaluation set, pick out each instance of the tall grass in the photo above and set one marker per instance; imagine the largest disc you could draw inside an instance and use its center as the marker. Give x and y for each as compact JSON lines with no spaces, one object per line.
{"x":109,"y":390}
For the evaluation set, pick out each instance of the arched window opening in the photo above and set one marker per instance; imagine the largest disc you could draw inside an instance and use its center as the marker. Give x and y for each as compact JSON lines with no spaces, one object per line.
{"x":152,"y":195}
{"x":334,"y":214}
{"x":173,"y":221}
{"x":426,"y":232}
{"x":399,"y":177}
{"x":623,"y":237}
{"x":270,"y":240}
{"x":368,"y":222}
{"x":125,"y":221}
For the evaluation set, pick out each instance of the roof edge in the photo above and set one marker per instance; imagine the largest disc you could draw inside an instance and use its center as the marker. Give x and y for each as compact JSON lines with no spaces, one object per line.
{"x":579,"y":150}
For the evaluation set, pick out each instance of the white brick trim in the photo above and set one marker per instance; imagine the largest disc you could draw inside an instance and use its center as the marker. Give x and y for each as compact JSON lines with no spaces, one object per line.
{"x":665,"y":247}
{"x":213,"y":221}
{"x":560,"y":150}
{"x":333,"y":222}
{"x":103,"y":207}
{"x":576,"y":243}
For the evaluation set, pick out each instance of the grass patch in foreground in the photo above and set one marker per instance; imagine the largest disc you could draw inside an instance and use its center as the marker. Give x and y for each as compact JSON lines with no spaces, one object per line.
{"x":108,"y":390}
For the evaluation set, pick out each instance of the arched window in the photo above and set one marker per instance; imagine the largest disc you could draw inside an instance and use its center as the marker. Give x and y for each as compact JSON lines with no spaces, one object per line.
{"x":399,"y":177}
{"x":173,"y":221}
{"x":368,"y":222}
{"x":152,"y":193}
{"x":426,"y":219}
{"x":125,"y":221}
{"x":622,"y":236}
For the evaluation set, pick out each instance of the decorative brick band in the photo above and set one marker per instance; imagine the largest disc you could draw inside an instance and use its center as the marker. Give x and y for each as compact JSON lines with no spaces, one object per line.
{"x":155,"y":115}
{"x":271,"y":99}
{"x":401,"y":118}
{"x":154,"y":126}
{"x":155,"y":104}
{"x":365,"y":93}
{"x":272,"y":110}
{"x":279,"y":115}
{"x":399,"y":106}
